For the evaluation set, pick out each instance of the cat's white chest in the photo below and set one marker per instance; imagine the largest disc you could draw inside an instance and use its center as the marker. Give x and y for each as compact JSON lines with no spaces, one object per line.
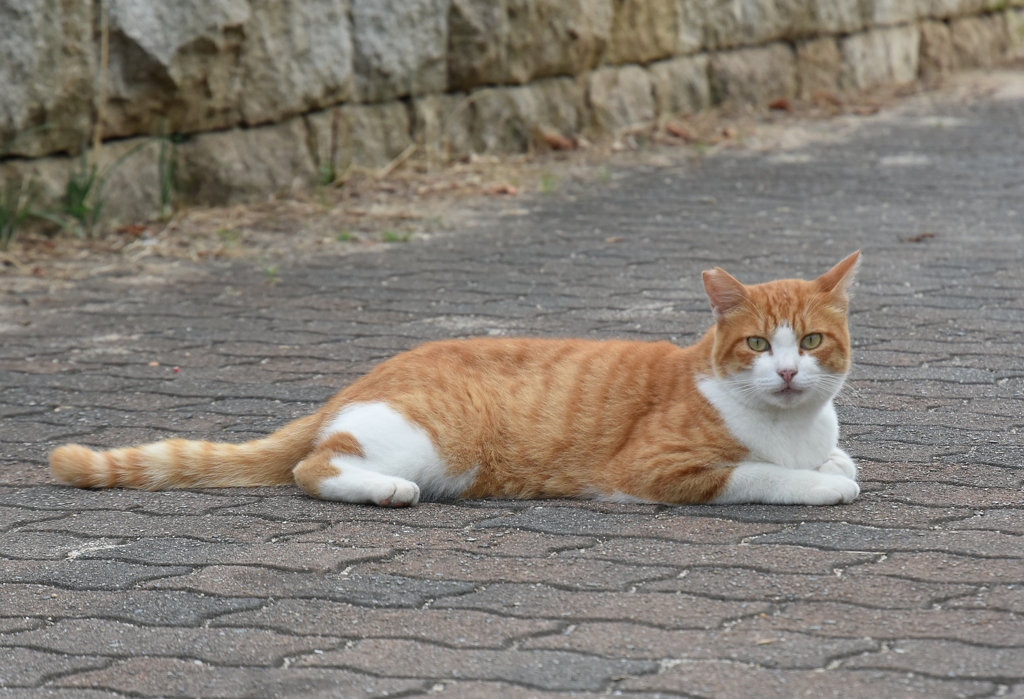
{"x":801,"y":438}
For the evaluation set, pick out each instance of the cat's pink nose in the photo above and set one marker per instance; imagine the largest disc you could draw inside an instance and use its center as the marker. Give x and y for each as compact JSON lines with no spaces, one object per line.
{"x":787,"y":375}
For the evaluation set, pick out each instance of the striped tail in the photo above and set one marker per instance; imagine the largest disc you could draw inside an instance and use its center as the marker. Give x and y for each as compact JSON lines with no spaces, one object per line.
{"x":178,"y":463}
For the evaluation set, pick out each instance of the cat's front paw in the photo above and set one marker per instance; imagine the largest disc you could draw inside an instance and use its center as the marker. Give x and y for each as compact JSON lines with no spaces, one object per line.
{"x":839,"y":463}
{"x":831,"y":489}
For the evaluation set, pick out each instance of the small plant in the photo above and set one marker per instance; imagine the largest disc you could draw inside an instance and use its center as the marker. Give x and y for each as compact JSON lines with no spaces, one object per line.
{"x":271,"y":273}
{"x":604,"y":175}
{"x":82,"y":204}
{"x":16,"y":199}
{"x":547,"y":183}
{"x":167,"y":171}
{"x":346,"y":237}
{"x":228,"y":236}
{"x":390,"y":236}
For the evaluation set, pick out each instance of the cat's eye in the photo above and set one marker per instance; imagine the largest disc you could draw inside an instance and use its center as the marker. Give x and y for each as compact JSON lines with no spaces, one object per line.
{"x":758,"y":344}
{"x":811,"y":341}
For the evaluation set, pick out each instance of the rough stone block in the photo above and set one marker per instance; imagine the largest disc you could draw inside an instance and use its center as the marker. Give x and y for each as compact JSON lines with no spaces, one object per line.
{"x":886,"y":12}
{"x":245,"y":164}
{"x":297,"y":56}
{"x":401,"y":47}
{"x":880,"y":56}
{"x":515,"y":41}
{"x":681,"y":84}
{"x":441,"y":125}
{"x":818,"y":66}
{"x":730,"y":23}
{"x":363,"y":135}
{"x":753,"y":75}
{"x":643,"y":31}
{"x":47,"y":64}
{"x":621,"y":97}
{"x":506,"y":119}
{"x":937,"y":54}
{"x":979,"y":42}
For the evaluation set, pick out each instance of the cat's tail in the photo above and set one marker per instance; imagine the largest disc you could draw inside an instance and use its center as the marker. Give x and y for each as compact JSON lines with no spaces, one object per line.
{"x":179,"y":463}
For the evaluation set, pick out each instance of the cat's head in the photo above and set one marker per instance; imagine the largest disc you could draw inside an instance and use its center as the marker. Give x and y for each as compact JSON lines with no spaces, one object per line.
{"x":783,"y":343}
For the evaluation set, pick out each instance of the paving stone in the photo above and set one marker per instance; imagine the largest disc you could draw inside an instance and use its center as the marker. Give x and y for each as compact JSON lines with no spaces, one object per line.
{"x":478,"y":567}
{"x":782,"y":650}
{"x":847,"y":537}
{"x":1006,"y":597}
{"x":449,"y":627}
{"x":170,"y":677}
{"x":133,"y":606}
{"x":84,"y":575}
{"x":852,"y":586}
{"x":210,"y":527}
{"x":715,"y":678}
{"x":948,"y":567}
{"x":993,"y":628}
{"x":945,"y":659}
{"x":782,"y":559}
{"x":22,"y":667}
{"x":370,"y":590}
{"x":649,"y":524}
{"x":544,"y":669}
{"x":665,"y":610}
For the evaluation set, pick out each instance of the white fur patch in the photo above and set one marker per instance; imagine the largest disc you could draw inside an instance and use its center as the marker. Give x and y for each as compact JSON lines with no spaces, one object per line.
{"x":396,"y":454}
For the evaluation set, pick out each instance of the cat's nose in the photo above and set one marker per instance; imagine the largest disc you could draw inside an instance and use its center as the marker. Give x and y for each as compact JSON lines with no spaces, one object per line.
{"x":787,"y":375}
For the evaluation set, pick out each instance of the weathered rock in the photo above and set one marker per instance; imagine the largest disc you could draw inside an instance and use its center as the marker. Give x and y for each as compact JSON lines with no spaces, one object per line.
{"x":442,"y":125}
{"x":644,"y":31}
{"x":297,"y":56}
{"x":753,"y":75}
{"x":681,"y":84}
{"x":730,"y":23}
{"x":944,"y":9}
{"x":401,"y":47}
{"x":47,"y":63}
{"x":363,"y":135}
{"x":880,"y":56}
{"x":507,"y":119}
{"x":621,"y":97}
{"x":245,"y":164}
{"x":979,"y":42}
{"x":500,"y":42}
{"x":173,"y":66}
{"x":818,"y":66}
{"x":887,"y":12}
{"x":936,"y":54}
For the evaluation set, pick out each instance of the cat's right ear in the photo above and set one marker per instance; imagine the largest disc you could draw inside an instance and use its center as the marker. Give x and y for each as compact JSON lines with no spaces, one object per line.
{"x":724,"y":291}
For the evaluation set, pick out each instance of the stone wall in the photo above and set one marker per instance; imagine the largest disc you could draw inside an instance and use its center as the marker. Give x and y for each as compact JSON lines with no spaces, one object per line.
{"x":265,"y":95}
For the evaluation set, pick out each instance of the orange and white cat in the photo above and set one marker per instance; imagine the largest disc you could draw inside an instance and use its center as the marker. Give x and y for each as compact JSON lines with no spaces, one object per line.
{"x":743,"y":415}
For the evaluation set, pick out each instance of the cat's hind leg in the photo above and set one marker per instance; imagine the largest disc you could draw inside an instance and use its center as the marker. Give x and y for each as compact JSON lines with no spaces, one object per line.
{"x":329,"y":475}
{"x":371,"y":453}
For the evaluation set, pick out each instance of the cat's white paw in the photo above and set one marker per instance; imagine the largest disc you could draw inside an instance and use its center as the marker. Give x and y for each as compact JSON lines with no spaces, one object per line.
{"x":831,"y":489}
{"x":839,"y":463}
{"x":403,"y":494}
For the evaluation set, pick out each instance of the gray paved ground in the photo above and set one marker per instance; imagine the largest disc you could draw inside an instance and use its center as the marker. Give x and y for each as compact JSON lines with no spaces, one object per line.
{"x":916,"y":589}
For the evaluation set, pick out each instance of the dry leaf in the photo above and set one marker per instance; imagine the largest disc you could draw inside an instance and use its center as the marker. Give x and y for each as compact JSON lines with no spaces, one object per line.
{"x":502,"y":189}
{"x":782,"y":104}
{"x":680,"y":131}
{"x":558,"y":142}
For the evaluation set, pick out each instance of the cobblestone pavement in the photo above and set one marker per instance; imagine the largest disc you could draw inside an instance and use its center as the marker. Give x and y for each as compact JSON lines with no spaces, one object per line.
{"x":916,"y":589}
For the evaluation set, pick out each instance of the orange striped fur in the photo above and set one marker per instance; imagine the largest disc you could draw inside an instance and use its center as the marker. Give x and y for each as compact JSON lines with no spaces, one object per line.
{"x":535,"y":418}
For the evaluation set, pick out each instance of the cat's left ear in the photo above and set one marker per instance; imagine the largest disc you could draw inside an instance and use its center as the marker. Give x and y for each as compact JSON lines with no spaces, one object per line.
{"x":836,"y":281}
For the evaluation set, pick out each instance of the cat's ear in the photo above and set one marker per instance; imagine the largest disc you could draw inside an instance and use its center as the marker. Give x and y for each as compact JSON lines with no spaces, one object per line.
{"x":724,"y":291}
{"x":837,"y":280}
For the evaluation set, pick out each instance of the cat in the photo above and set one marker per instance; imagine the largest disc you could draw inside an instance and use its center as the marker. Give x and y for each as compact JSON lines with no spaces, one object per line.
{"x":744,"y":415}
